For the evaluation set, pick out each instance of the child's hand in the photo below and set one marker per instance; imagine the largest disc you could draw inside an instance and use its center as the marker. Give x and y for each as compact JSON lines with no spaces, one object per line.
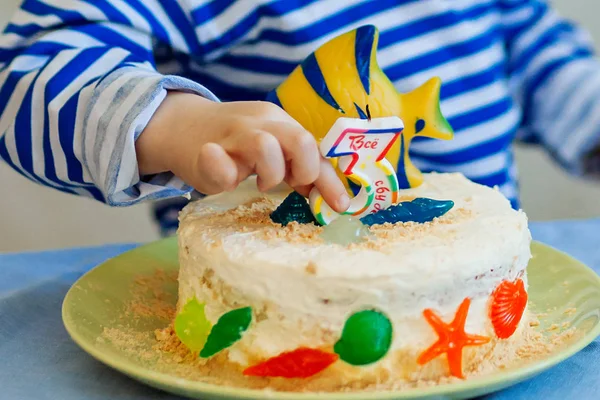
{"x":215,"y":146}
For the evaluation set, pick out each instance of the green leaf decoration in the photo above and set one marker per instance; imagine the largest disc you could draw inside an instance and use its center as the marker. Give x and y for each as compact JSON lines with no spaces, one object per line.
{"x":419,"y":210}
{"x":293,"y":208}
{"x":366,"y":338}
{"x":191,"y":325}
{"x":227,"y":331}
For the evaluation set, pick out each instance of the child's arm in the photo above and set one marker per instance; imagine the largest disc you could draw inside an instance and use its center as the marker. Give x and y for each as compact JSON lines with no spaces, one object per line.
{"x":78,"y":88}
{"x":556,"y":79}
{"x":77,"y":85}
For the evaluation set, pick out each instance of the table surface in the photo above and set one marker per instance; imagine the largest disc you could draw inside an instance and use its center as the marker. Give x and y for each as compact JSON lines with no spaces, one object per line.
{"x":39,"y":360}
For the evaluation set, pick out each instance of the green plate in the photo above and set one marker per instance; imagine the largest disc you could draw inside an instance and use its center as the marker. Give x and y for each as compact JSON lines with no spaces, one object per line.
{"x":98,"y":301}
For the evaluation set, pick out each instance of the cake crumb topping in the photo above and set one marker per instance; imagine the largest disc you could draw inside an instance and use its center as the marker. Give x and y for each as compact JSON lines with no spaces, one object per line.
{"x":151,"y":302}
{"x":311,"y":268}
{"x":254,"y":217}
{"x":570,"y":311}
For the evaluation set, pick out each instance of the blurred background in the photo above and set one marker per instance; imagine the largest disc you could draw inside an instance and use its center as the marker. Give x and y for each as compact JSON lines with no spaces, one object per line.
{"x":34,"y":218}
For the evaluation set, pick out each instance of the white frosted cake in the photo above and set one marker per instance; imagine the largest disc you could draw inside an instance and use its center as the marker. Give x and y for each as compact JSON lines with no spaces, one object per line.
{"x":308,"y":314}
{"x":423,"y":278}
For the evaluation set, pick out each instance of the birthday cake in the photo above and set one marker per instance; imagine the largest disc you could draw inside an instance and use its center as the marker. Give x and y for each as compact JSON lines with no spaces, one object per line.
{"x":422,"y":279}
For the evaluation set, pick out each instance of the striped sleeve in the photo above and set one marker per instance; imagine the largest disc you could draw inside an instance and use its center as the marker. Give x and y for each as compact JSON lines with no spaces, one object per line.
{"x":78,"y":84}
{"x":556,"y":79}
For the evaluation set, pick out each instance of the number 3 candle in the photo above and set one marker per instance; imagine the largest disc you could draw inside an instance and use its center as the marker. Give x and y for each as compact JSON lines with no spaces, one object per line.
{"x":360,"y":146}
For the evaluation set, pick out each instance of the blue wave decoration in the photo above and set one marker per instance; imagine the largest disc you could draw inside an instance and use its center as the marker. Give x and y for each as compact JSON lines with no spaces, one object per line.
{"x":419,"y":210}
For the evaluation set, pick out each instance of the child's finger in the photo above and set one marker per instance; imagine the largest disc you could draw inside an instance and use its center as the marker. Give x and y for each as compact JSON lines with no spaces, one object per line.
{"x":307,"y":166}
{"x":304,"y":190}
{"x":262,"y":152}
{"x":331,"y":187}
{"x":215,"y":171}
{"x":300,"y":149}
{"x":244,"y":171}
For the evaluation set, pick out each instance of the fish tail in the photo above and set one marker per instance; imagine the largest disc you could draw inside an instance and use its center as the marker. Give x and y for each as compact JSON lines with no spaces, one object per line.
{"x":425,"y":121}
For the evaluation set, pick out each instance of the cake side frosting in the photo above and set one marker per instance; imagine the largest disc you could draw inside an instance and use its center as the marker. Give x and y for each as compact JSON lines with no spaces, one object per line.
{"x":303,"y":290}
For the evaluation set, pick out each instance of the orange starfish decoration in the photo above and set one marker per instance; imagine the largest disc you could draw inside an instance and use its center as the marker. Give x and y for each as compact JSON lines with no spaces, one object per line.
{"x":452,"y":338}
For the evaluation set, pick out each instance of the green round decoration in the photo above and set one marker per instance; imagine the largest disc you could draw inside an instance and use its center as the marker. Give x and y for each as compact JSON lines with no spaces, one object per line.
{"x":366,"y":338}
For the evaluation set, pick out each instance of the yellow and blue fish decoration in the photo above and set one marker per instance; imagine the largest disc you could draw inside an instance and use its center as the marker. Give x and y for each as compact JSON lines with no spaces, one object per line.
{"x":342,"y":78}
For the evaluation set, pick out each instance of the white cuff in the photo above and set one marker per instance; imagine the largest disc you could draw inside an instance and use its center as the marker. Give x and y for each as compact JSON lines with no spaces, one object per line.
{"x":118,"y":112}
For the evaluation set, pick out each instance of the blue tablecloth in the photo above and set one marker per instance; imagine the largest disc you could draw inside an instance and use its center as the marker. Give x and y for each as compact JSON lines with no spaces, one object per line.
{"x":39,"y":361}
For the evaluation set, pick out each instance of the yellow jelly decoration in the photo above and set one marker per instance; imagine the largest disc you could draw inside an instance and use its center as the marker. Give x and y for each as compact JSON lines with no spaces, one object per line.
{"x":191,"y":325}
{"x":342,"y":78}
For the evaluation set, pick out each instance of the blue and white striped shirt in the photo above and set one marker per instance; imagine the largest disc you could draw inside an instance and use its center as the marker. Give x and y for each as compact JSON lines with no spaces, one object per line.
{"x":80,"y":79}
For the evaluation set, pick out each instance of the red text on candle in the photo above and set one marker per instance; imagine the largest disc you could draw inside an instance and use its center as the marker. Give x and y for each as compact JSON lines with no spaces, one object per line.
{"x":381,"y":194}
{"x":358,"y":142}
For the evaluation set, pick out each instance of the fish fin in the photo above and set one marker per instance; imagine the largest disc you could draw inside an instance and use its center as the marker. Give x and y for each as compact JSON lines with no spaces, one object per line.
{"x":421,"y":112}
